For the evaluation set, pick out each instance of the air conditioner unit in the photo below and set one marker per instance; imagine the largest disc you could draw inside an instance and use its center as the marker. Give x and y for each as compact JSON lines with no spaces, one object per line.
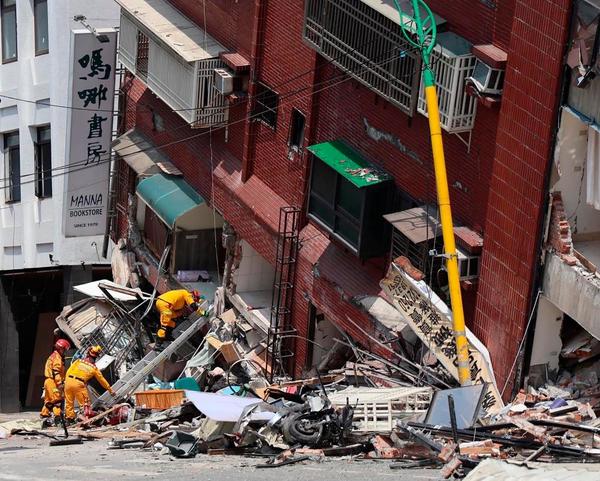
{"x":468,"y":266}
{"x":487,"y":80}
{"x":223,"y":81}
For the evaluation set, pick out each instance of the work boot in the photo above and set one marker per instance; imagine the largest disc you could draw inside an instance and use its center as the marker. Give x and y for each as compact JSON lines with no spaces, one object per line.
{"x":46,"y":423}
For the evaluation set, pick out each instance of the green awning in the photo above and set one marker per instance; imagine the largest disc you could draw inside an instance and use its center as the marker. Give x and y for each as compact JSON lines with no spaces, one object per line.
{"x":168,"y":196}
{"x":349,"y":163}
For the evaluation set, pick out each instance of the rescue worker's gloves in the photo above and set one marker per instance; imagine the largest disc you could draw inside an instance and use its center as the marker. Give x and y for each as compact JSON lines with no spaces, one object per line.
{"x":196,"y":296}
{"x":94,"y":351}
{"x":194,"y":306}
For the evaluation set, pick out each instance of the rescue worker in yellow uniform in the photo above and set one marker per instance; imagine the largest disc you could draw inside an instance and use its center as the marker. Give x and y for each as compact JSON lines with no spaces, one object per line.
{"x":78,"y":376}
{"x":54,"y":383}
{"x":171,"y":306}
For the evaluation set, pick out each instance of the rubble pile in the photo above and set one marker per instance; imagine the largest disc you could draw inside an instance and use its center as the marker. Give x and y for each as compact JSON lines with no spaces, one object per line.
{"x":211,"y":391}
{"x":542,"y":425}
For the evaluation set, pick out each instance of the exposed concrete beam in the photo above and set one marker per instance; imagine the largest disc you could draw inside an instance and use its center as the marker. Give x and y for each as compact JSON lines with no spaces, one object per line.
{"x":575,"y":291}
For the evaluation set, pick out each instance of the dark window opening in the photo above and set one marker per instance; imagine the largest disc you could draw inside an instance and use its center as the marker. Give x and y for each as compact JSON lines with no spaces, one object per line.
{"x":8,"y":12}
{"x":141,"y":60}
{"x":43,"y":163}
{"x":296,"y":138}
{"x":12,"y":167}
{"x":352,"y":215}
{"x":40,"y":13}
{"x":265,"y":107}
{"x":156,"y":233}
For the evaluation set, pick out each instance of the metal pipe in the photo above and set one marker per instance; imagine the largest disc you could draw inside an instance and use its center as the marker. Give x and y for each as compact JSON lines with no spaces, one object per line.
{"x":425,"y":29}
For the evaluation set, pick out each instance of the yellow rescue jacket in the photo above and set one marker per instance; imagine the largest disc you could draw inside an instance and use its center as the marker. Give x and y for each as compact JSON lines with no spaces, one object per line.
{"x":174,"y":300}
{"x":55,"y":368}
{"x":83,"y":371}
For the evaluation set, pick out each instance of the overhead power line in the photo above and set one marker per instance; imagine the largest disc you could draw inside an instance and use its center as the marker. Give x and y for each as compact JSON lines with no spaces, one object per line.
{"x":332,"y":82}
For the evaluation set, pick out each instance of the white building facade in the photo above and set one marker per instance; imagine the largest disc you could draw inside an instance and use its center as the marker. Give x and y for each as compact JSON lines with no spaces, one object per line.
{"x":38,"y":264}
{"x":35,"y":88}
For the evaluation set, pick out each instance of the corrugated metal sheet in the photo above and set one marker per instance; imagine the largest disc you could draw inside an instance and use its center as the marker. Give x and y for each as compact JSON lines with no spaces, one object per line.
{"x":139,"y":154}
{"x":415,"y":223}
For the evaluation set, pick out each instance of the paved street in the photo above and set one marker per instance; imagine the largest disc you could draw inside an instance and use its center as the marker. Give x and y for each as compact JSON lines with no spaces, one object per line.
{"x":33,"y":460}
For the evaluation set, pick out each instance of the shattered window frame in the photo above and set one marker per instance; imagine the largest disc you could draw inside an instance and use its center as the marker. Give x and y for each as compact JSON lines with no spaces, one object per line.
{"x":586,"y":14}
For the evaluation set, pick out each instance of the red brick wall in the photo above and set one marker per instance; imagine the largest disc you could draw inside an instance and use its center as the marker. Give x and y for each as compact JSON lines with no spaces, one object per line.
{"x":283,"y":58}
{"x":496,"y":188}
{"x":341,"y":113}
{"x":229,"y":22}
{"x":559,"y":231}
{"x":517,"y":187}
{"x":479,"y":21}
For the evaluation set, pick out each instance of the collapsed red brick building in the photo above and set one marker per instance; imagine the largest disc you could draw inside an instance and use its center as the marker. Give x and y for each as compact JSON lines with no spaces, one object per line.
{"x":305,"y":82}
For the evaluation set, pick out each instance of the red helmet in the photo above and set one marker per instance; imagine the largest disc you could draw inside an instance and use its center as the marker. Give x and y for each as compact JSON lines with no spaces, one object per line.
{"x":62,"y":344}
{"x":196,"y":295}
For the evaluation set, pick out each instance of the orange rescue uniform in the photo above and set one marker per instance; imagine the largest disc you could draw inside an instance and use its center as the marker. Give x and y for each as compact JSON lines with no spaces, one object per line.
{"x":55,"y":378}
{"x":78,"y":376}
{"x":171,"y":305}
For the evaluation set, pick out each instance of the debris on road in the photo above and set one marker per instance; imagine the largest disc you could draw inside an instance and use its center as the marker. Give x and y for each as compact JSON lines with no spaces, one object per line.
{"x":211,"y":391}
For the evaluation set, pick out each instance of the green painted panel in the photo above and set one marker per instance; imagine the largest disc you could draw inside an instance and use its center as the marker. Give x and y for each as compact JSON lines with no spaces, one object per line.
{"x":349,"y":163}
{"x":169,"y":196}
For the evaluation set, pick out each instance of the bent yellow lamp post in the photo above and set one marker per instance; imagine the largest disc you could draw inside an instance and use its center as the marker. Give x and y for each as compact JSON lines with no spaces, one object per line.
{"x":420,"y":32}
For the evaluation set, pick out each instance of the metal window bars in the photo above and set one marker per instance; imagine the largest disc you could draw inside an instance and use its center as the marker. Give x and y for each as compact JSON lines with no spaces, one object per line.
{"x":368,"y":46}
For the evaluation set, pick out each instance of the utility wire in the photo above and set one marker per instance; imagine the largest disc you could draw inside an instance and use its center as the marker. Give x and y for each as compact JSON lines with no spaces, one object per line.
{"x":223,"y":124}
{"x":249,"y":97}
{"x":84,"y":167}
{"x":85,"y":163}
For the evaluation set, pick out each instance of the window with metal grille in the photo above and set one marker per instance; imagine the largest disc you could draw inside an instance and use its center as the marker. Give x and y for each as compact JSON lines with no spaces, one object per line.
{"x":185,"y":86}
{"x":453,"y":63}
{"x":352,"y":215}
{"x":367,"y":45}
{"x":296,"y":137}
{"x":8,"y":12}
{"x":43,"y":163}
{"x":12,"y":167}
{"x":141,"y":58}
{"x":265,"y":106}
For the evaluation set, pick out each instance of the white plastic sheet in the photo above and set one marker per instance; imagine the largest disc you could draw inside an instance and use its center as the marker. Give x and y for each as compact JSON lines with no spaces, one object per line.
{"x":220,"y":407}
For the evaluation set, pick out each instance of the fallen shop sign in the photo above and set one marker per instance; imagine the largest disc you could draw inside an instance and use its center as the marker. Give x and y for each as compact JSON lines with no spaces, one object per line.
{"x":431,"y":320}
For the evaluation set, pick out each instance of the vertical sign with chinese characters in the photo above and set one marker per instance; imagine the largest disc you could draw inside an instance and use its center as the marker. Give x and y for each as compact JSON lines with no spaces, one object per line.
{"x":92,"y":84}
{"x":429,"y":318}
